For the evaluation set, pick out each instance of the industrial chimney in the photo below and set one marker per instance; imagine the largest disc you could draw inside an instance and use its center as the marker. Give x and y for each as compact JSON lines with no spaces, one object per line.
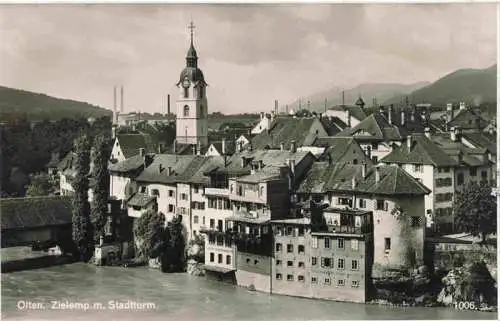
{"x":121,"y":99}
{"x":168,"y":105}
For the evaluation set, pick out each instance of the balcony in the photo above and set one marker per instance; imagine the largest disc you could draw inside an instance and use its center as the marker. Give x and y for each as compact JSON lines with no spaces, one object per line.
{"x":221,"y":192}
{"x":344,"y":229}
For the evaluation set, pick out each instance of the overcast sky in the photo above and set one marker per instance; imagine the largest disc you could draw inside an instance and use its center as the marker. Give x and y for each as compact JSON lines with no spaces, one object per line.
{"x":250,"y":54}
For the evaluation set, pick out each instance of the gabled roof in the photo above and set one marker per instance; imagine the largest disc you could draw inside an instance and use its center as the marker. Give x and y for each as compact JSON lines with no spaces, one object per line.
{"x":129,"y":165}
{"x":338,"y":147}
{"x":267,"y":174}
{"x":269,"y":158}
{"x":333,"y":125}
{"x":377,"y":127}
{"x":356,"y":111}
{"x":284,"y":130}
{"x":467,"y":119}
{"x":131,"y":143}
{"x":230,"y":147}
{"x":183,"y":169}
{"x":482,"y":140}
{"x":140,"y":199}
{"x":423,"y":151}
{"x":33,"y":212}
{"x":324,"y":177}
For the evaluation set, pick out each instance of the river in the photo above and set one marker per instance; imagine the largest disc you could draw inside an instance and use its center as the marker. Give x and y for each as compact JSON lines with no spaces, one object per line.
{"x":175,"y":297}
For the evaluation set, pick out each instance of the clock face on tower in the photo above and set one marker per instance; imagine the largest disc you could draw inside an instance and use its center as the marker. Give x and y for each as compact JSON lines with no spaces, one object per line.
{"x":185,"y":83}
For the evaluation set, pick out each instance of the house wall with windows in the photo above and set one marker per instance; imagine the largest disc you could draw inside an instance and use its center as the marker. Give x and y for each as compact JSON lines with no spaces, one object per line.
{"x":183,"y":208}
{"x":220,"y":252}
{"x":118,"y":186}
{"x":116,"y":152}
{"x":254,"y":270}
{"x":427,"y":175}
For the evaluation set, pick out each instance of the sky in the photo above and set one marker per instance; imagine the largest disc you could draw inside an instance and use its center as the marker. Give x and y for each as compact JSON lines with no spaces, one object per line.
{"x":250,"y":54}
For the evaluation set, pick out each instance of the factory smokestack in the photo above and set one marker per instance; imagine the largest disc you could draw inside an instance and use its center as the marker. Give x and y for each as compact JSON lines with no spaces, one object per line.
{"x":168,"y":105}
{"x":121,"y":99}
{"x":114,"y":105}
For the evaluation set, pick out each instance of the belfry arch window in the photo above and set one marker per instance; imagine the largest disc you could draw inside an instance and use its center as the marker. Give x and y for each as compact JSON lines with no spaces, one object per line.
{"x":201,"y":110}
{"x":186,"y":111}
{"x":200,"y":92}
{"x":186,"y":92}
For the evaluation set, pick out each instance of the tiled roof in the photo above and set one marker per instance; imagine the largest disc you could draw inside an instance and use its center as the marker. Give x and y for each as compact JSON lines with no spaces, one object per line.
{"x":337,"y":146}
{"x":131,"y":143}
{"x":131,"y":164}
{"x":284,"y":130}
{"x":33,"y":212}
{"x":267,"y":174}
{"x":423,"y":151}
{"x":356,"y":111}
{"x":467,"y":118}
{"x":140,"y":199}
{"x":230,"y":147}
{"x":333,"y":125}
{"x":482,"y":140}
{"x":184,"y":168}
{"x":270,"y":157}
{"x":325,"y":177}
{"x":298,"y":221}
{"x":378,"y":128}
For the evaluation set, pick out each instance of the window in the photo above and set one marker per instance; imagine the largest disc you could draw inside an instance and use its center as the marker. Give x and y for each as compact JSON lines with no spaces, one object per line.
{"x":314,"y":280}
{"x":289,"y":248}
{"x":142,"y":189}
{"x":314,"y":260}
{"x":278,"y":262}
{"x":261,"y":191}
{"x":301,"y":249}
{"x":314,"y":241}
{"x":228,"y":259}
{"x":183,"y":196}
{"x":170,"y":208}
{"x":278,"y":247}
{"x":327,"y":281}
{"x":289,"y":277}
{"x":195,"y":219}
{"x":381,"y":205}
{"x":354,"y":245}
{"x":186,"y":108}
{"x":415,"y":221}
{"x":441,"y":182}
{"x":460,"y":179}
{"x":354,"y":265}
{"x":340,"y":282}
{"x":278,"y":276}
{"x":212,"y":223}
{"x":374,"y":146}
{"x":203,"y":220}
{"x":355,"y":284}
{"x":289,"y":231}
{"x":374,"y":159}
{"x":196,"y":189}
{"x":211,"y":257}
{"x":301,"y":231}
{"x":417,"y":168}
{"x":340,"y":243}
{"x":326,"y":262}
{"x":301,"y":265}
{"x":484,"y":174}
{"x":327,"y":243}
{"x":387,"y":244}
{"x":248,"y":261}
{"x":340,"y":263}
{"x":300,"y":278}
{"x":155,"y":192}
{"x":473,"y":171}
{"x":444,"y":197}
{"x":170,"y":193}
{"x":289,"y":263}
{"x":362,"y":203}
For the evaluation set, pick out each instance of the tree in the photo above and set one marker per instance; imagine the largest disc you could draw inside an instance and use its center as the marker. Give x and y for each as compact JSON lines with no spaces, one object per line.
{"x":82,"y":225}
{"x":176,"y":246}
{"x":100,"y":186}
{"x":475,"y":210}
{"x":39,"y":185}
{"x":150,"y":234}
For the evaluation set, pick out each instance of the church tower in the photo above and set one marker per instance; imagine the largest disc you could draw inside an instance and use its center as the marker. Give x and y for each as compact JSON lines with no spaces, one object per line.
{"x":192,"y":107}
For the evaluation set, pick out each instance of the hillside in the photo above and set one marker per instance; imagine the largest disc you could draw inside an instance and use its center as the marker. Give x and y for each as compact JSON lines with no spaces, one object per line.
{"x":473,"y":86}
{"x":40,"y":106}
{"x":380,"y":91}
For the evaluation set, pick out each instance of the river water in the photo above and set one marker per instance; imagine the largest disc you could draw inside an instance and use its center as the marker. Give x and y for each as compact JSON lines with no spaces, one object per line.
{"x":175,"y":297}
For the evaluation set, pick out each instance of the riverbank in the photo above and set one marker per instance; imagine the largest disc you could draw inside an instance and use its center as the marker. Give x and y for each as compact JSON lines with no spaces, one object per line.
{"x":23,"y":258}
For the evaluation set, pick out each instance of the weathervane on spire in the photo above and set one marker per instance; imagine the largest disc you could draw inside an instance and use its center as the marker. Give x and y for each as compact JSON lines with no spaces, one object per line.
{"x":191,"y":27}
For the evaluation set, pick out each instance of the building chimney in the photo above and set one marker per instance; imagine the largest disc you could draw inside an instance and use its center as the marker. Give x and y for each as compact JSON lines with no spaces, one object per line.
{"x":282,"y":146}
{"x":453,"y":136}
{"x":369,"y":152}
{"x":462,"y":106}
{"x":160,"y":168}
{"x":276,"y":106}
{"x":381,"y":109}
{"x":343,"y":98}
{"x":160,"y":148}
{"x":389,"y":116}
{"x":194,"y":149}
{"x":363,"y":170}
{"x":142,"y":152}
{"x":291,"y":165}
{"x":121,"y":99}
{"x":174,"y":146}
{"x":262,"y":115}
{"x":293,"y":146}
{"x":168,"y":105}
{"x":243,"y":164}
{"x":403,"y":120}
{"x":348,"y":118}
{"x":377,"y":174}
{"x":198,"y":149}
{"x":354,"y":182}
{"x":458,"y":132}
{"x":223,"y":146}
{"x":115,"y":113}
{"x":113,"y":132}
{"x":261,"y":164}
{"x":478,"y":123}
{"x":409,"y":142}
{"x":427,"y":131}
{"x":169,"y":171}
{"x":449,"y":107}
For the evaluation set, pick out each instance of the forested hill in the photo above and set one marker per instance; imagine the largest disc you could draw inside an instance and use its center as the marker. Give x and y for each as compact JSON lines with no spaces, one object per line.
{"x":15,"y":102}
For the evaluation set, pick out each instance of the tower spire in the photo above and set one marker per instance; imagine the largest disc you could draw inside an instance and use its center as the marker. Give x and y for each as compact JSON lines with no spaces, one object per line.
{"x":191,"y":28}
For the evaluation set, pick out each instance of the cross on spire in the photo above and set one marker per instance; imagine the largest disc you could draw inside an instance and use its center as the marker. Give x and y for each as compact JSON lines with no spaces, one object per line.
{"x":191,"y":27}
